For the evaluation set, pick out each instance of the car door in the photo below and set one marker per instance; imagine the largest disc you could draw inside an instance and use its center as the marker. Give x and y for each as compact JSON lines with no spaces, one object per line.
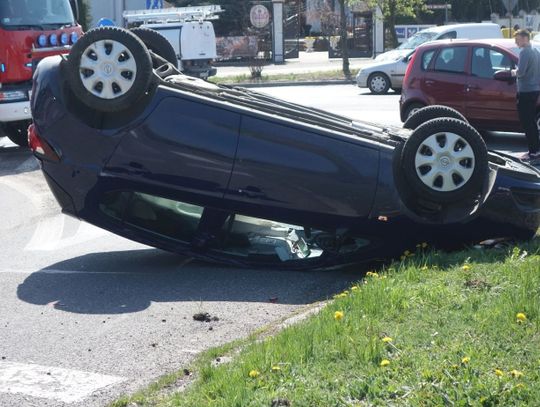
{"x":446,"y":77}
{"x":291,"y":171}
{"x":186,"y":145}
{"x":491,"y":103}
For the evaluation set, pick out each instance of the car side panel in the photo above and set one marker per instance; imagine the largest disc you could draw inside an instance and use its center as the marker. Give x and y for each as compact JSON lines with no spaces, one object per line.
{"x":183,"y":145}
{"x":284,"y":167}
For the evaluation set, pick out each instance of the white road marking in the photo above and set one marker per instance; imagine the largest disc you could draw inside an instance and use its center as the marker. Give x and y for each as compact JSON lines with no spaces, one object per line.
{"x":54,"y":383}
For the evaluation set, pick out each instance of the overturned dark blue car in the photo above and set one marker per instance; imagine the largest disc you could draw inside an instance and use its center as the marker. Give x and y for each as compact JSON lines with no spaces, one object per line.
{"x":130,"y":144}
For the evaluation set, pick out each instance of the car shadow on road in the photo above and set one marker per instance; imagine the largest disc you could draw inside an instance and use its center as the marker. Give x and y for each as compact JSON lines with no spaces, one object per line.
{"x":129,"y":281}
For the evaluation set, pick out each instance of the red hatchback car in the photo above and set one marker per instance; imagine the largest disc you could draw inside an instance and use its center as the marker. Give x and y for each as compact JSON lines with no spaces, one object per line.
{"x":471,"y":76}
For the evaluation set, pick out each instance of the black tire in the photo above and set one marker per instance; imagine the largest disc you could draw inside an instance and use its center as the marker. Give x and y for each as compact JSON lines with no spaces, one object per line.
{"x":460,"y":178}
{"x":412,"y":108}
{"x":17,"y":132}
{"x":378,"y":83}
{"x":431,"y":112}
{"x":158,"y":44}
{"x":109,"y":97}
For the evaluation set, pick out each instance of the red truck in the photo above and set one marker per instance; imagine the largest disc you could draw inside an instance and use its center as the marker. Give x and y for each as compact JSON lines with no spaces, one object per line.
{"x":30,"y":30}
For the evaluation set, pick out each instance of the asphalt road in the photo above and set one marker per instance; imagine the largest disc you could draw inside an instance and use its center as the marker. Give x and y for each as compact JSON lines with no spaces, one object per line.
{"x":87,"y":316}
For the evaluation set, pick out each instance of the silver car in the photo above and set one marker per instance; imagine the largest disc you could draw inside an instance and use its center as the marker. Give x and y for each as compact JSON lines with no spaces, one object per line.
{"x":388,"y":73}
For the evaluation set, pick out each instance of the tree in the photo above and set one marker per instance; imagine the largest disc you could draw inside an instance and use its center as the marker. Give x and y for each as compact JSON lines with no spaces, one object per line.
{"x":390,"y":9}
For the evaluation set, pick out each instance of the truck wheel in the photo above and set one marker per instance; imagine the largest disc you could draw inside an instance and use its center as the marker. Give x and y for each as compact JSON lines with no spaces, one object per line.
{"x":158,"y":44}
{"x":17,"y":132}
{"x":444,"y":161}
{"x":431,"y":112}
{"x":109,"y":69}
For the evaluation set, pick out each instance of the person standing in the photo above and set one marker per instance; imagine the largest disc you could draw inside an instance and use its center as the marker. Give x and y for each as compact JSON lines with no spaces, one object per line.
{"x":528,"y":90}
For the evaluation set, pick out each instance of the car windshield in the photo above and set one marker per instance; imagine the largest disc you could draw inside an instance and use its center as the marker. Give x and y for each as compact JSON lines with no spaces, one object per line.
{"x":28,"y":14}
{"x":418,"y":39}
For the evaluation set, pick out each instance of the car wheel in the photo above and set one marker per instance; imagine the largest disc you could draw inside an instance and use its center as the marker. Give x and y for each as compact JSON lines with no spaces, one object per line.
{"x":424,"y":114}
{"x":158,"y":44}
{"x":378,"y":83}
{"x":17,"y":132}
{"x":109,"y":69}
{"x":412,"y":108}
{"x":445,"y":160}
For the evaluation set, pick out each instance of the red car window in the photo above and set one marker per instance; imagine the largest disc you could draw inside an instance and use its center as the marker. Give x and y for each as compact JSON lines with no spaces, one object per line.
{"x":451,"y":59}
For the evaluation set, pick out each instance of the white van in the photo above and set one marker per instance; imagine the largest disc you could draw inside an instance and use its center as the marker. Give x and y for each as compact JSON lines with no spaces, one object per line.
{"x":470,"y":31}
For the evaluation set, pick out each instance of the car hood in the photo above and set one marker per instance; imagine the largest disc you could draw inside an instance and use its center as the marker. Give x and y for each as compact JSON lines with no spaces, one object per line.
{"x":392,"y":55}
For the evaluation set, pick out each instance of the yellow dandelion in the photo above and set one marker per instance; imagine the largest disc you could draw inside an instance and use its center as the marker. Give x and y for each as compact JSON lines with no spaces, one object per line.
{"x":372,"y":274}
{"x":466,"y":267}
{"x":425,"y":268}
{"x":521,"y":317}
{"x":386,"y":339}
{"x":338,"y":315}
{"x":340,"y":295}
{"x":383,"y":277}
{"x":254,"y":373}
{"x":519,"y":386}
{"x":385,"y":362}
{"x":355,"y":288}
{"x":465,"y":360}
{"x":276,"y":368}
{"x":516,"y":373}
{"x":454,"y":366}
{"x":499,"y":372}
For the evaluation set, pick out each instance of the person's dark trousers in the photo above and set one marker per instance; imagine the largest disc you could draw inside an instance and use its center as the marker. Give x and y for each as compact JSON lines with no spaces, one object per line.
{"x":526,"y":106}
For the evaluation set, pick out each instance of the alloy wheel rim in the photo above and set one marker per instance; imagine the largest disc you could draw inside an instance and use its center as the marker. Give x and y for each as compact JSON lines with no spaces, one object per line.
{"x":444,"y":162}
{"x":108,"y":69}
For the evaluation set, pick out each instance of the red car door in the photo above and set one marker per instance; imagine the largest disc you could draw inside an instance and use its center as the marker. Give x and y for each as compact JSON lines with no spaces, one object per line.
{"x":445,"y":80}
{"x":491,"y":103}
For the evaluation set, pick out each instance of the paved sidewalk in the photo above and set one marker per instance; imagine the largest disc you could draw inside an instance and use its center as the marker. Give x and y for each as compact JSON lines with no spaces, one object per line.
{"x":307,"y":62}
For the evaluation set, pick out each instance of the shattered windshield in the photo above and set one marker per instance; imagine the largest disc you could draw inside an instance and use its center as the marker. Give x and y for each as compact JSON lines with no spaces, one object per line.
{"x":35,"y":14}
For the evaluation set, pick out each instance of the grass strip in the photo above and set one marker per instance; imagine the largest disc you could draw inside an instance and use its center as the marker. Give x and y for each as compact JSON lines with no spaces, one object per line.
{"x":433,"y":329}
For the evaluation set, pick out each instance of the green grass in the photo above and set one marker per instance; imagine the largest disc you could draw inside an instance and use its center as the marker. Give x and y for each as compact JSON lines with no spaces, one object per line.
{"x":292,"y":77}
{"x":455,"y":340}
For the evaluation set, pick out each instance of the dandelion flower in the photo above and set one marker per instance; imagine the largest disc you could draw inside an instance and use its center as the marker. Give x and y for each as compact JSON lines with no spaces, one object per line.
{"x":425,"y":268}
{"x":465,"y":360}
{"x":340,"y":295}
{"x":385,"y":362}
{"x":254,"y":373}
{"x":276,"y":368}
{"x":499,"y":372}
{"x":372,"y":274}
{"x":355,"y":288}
{"x":386,"y":339}
{"x":521,"y":317}
{"x":338,"y":315}
{"x":516,"y":373}
{"x":466,"y":267}
{"x":519,"y":386}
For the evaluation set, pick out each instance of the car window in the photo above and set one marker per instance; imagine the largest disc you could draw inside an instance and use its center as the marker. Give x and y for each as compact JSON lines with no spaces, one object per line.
{"x":448,"y":36}
{"x":451,"y":59}
{"x":481,"y":63}
{"x":426,"y":59}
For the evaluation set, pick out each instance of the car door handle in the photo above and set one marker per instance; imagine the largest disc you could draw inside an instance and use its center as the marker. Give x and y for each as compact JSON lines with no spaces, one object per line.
{"x":471,"y":87}
{"x":251,"y":192}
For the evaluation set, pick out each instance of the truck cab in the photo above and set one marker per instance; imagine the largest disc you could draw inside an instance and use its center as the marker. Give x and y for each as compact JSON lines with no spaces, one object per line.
{"x":30,"y":30}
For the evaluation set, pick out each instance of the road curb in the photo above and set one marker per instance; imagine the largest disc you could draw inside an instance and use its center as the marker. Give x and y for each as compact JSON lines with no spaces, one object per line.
{"x":292,"y":83}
